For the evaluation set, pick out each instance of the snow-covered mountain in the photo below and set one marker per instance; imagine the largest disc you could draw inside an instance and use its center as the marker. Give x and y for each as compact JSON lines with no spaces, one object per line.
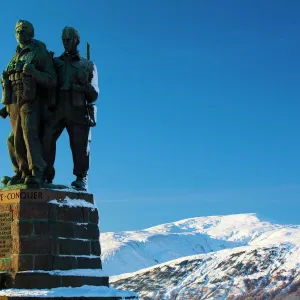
{"x":247,"y":272}
{"x":219,"y":257}
{"x":131,"y":251}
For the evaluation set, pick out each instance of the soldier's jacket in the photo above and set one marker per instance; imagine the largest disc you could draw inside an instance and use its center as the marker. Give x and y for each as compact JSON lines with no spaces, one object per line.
{"x":25,"y":86}
{"x":69,"y":69}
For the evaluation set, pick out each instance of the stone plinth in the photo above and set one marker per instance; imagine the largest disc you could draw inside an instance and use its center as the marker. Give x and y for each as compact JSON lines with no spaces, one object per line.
{"x":45,"y":230}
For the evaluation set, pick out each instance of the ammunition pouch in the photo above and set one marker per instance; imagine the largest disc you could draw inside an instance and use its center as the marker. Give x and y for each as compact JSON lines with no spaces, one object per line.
{"x":6,"y":92}
{"x":24,"y":87}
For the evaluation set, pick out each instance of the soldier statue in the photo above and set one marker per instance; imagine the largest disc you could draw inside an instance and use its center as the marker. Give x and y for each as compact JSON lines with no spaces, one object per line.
{"x":11,"y":149}
{"x":25,"y":91}
{"x":77,"y":89}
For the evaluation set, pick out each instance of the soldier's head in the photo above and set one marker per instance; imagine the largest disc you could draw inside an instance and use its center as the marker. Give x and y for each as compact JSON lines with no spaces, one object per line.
{"x":24,"y":32}
{"x":70,"y":39}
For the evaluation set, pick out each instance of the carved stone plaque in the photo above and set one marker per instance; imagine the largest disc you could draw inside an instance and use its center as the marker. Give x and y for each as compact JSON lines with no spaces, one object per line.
{"x":5,"y":240}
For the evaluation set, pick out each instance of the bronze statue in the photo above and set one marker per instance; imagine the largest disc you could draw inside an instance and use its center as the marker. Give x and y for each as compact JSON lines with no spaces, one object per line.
{"x":77,"y":89}
{"x":25,"y":84}
{"x":11,"y":150}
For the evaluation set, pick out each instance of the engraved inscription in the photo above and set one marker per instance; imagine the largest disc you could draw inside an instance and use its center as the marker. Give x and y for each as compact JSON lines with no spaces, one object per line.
{"x":16,"y":196}
{"x":9,"y":197}
{"x":5,"y":234}
{"x":31,"y":195}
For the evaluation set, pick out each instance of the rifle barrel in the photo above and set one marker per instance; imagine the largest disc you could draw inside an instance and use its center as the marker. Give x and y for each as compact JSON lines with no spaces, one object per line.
{"x":87,"y":51}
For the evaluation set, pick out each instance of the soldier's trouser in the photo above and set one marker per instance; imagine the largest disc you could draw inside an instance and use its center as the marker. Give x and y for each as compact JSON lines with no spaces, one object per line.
{"x":74,"y":121}
{"x":79,"y":142}
{"x":11,"y":151}
{"x":25,"y":121}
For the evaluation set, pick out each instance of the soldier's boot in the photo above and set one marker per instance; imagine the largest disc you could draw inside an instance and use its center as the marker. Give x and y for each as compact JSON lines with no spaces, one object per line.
{"x":80,"y":183}
{"x":5,"y":180}
{"x":35,"y":179}
{"x":49,"y":176}
{"x":16,"y":179}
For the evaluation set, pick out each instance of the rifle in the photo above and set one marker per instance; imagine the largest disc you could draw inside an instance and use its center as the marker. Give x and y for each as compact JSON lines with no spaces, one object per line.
{"x":87,"y":51}
{"x":90,"y":108}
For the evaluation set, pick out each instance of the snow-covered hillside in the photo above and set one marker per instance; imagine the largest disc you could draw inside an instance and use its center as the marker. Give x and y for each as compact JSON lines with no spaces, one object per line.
{"x":131,"y":251}
{"x":248,"y":272}
{"x":237,"y":257}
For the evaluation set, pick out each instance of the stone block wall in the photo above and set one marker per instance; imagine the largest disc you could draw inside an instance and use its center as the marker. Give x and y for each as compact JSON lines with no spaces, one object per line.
{"x":51,"y":235}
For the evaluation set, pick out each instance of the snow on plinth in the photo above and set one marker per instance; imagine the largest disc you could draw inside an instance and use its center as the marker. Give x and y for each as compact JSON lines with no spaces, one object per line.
{"x":86,"y":291}
{"x":73,"y":272}
{"x":73,"y":203}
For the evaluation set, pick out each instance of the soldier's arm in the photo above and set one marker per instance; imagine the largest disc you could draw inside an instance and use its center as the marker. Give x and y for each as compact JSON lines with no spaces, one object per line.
{"x":47,"y":78}
{"x":92,"y":89}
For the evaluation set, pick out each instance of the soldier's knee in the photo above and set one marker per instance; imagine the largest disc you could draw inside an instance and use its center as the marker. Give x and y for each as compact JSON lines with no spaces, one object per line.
{"x":10,"y":140}
{"x":30,"y":132}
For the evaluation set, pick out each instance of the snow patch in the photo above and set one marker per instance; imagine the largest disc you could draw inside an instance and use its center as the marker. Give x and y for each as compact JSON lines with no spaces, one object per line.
{"x":84,"y":291}
{"x":73,"y":203}
{"x":73,"y":272}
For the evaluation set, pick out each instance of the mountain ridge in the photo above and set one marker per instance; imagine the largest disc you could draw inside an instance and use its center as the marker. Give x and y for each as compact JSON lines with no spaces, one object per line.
{"x":131,"y":251}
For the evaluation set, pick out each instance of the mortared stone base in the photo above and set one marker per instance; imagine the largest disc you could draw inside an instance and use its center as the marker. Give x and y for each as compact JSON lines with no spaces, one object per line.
{"x":35,"y":280}
{"x":46,"y":230}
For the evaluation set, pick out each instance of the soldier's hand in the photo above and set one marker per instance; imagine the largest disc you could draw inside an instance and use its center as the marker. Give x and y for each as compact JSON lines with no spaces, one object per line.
{"x":3,"y":112}
{"x":29,"y":69}
{"x":83,"y":76}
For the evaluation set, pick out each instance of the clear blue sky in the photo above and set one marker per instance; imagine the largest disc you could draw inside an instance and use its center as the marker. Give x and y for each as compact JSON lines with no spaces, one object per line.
{"x":199,"y":109}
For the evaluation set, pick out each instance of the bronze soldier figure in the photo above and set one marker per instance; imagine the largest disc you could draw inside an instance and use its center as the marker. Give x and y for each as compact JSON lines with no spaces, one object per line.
{"x":11,"y":150}
{"x":77,"y":88}
{"x":25,"y":84}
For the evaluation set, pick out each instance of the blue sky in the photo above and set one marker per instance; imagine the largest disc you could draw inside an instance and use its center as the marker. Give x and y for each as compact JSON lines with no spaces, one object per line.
{"x":199,"y":107}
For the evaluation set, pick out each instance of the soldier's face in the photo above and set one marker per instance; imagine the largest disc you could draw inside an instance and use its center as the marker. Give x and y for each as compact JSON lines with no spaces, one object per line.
{"x":23,"y":35}
{"x":69,"y":41}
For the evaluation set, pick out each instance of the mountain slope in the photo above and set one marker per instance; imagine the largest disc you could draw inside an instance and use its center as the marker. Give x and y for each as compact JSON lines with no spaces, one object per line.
{"x":131,"y":251}
{"x":247,"y":272}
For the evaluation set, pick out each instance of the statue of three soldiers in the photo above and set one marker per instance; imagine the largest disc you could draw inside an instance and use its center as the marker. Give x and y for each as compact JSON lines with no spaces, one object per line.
{"x":43,"y":96}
